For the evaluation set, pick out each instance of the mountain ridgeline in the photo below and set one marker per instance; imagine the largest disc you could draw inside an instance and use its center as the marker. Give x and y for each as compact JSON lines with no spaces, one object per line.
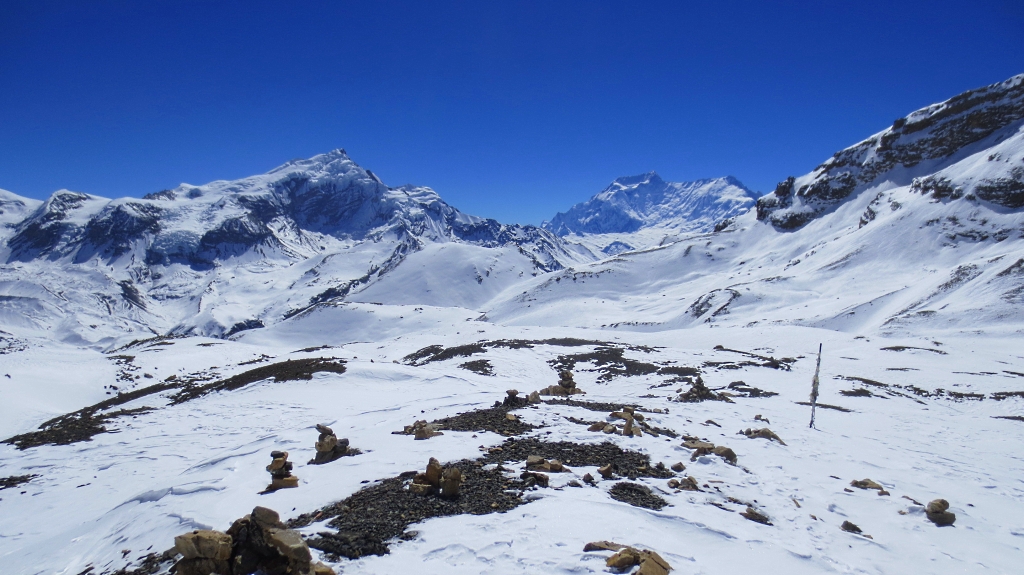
{"x":938,"y":195}
{"x":646,"y":201}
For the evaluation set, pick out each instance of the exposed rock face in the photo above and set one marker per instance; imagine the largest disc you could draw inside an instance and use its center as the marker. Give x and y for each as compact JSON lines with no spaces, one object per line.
{"x":928,"y":139}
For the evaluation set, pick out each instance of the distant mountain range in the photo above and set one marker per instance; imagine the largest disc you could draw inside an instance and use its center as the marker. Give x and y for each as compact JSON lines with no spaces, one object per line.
{"x":228,"y":257}
{"x":645,"y":201}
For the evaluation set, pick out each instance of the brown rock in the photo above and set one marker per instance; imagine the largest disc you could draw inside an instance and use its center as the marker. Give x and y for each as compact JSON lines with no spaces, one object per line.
{"x":421,"y":488}
{"x":321,"y":569}
{"x":763,"y":433}
{"x":725,"y":453}
{"x":602,"y":546}
{"x":698,"y":444}
{"x":865,"y":484}
{"x":535,"y":460}
{"x":679,"y":467}
{"x":290,"y":544}
{"x":434,"y":472}
{"x":937,"y":512}
{"x":850,"y":527}
{"x":588,"y":479}
{"x":204,"y":544}
{"x":450,"y":482}
{"x":265,"y":517}
{"x":652,"y":564}
{"x":624,"y":559}
{"x":673,"y":483}
{"x":606,"y":471}
{"x":283,"y":482}
{"x":327,"y":443}
{"x":202,"y":566}
{"x":599,"y":426}
{"x":533,"y":397}
{"x":610,"y":428}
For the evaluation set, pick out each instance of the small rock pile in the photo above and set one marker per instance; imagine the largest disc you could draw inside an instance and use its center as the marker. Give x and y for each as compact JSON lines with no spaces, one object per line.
{"x":280,"y":472}
{"x":699,"y":392}
{"x":256,"y":543}
{"x":437,"y":480}
{"x":626,"y":557}
{"x":328,"y":446}
{"x":634,"y":426}
{"x":701,"y":447}
{"x":421,"y":429}
{"x":685,"y":484}
{"x":566,"y":386}
{"x":513,"y":401}
{"x":763,"y":433}
{"x":938,"y":513}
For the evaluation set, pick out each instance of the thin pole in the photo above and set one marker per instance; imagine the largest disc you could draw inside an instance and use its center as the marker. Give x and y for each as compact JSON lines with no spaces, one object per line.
{"x":814,"y":387}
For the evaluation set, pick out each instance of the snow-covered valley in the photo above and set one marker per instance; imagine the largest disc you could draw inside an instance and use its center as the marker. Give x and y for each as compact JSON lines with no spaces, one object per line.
{"x":153,"y":354}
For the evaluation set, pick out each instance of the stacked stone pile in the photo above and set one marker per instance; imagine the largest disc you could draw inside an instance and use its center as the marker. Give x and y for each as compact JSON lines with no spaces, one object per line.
{"x":436,"y":480}
{"x":256,"y":543}
{"x":328,"y":446}
{"x":566,"y":386}
{"x":281,"y":472}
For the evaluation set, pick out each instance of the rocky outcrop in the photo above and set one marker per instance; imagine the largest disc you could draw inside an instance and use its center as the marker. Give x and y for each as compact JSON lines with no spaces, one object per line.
{"x":931,"y":138}
{"x":256,"y":543}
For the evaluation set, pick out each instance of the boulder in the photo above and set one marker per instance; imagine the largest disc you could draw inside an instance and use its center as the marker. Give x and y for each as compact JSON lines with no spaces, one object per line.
{"x":624,"y":559}
{"x":450,"y":482}
{"x":850,"y":527}
{"x":865,"y":484}
{"x":202,"y":566}
{"x":938,"y":513}
{"x":607,"y":471}
{"x":678,"y":467}
{"x":204,"y":544}
{"x":434,"y":472}
{"x":725,"y":453}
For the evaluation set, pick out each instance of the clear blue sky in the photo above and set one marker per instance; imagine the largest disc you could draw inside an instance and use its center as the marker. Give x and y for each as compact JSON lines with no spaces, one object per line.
{"x":511,"y":110}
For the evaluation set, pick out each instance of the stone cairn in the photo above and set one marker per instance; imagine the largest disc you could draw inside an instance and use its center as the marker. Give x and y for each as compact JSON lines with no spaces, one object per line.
{"x":420,"y":429}
{"x":328,"y":446}
{"x":634,"y":424}
{"x":566,"y":386}
{"x":256,"y":543}
{"x":437,"y":480}
{"x":280,"y":472}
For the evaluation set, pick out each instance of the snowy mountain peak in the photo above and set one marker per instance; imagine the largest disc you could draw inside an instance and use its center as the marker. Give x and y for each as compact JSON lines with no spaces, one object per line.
{"x":646,"y":200}
{"x":920,"y":144}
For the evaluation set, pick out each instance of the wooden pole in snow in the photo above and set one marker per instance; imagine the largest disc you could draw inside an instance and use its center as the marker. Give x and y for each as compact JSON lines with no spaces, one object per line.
{"x":814,"y":387}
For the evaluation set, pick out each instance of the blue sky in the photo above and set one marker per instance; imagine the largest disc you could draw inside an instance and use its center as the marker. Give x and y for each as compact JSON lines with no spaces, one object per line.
{"x":511,"y":110}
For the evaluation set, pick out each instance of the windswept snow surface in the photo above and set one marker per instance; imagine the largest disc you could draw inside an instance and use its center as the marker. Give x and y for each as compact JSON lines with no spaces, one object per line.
{"x":200,"y":464}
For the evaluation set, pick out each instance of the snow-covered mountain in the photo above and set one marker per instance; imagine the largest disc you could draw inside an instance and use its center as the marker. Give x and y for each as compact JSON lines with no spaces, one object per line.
{"x":232,"y":255}
{"x":902,"y":256}
{"x":926,"y":233}
{"x":925,"y":144}
{"x":646,"y":201}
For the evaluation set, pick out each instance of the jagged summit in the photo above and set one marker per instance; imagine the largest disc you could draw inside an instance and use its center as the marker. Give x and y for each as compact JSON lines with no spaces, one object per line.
{"x":922,"y":143}
{"x":646,"y":200}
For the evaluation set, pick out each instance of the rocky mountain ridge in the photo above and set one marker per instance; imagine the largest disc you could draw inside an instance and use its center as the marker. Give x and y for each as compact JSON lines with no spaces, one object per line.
{"x":918,"y":145}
